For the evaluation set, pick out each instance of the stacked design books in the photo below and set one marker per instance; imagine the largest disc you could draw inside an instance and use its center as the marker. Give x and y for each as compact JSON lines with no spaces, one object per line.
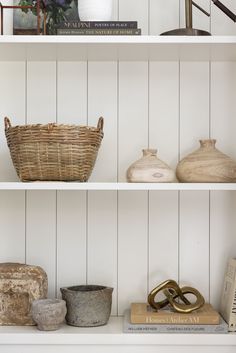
{"x":99,"y":28}
{"x":142,"y":318}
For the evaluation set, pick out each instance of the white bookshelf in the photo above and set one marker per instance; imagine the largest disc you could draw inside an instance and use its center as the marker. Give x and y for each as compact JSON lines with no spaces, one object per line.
{"x":123,"y":48}
{"x":109,"y":335}
{"x":117,"y":186}
{"x":164,"y":92}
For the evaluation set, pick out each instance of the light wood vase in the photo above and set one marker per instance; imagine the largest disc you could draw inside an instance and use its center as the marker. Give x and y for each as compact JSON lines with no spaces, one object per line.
{"x":207,"y":165}
{"x":150,"y":169}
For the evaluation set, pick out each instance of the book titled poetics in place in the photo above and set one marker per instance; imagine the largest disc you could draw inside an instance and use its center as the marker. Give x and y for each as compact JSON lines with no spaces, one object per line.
{"x":98,"y":25}
{"x":104,"y":28}
{"x":142,"y":313}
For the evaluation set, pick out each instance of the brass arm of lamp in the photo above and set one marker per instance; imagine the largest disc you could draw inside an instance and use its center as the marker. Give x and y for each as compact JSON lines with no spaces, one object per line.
{"x":225,"y":9}
{"x":189,"y":30}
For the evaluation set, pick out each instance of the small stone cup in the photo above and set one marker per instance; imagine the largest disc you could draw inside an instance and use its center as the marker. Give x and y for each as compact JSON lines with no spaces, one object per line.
{"x":49,"y":314}
{"x":87,"y":305}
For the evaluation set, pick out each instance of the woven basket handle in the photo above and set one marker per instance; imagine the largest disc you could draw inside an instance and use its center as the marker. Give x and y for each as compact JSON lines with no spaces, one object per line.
{"x":7,"y":123}
{"x":100,"y":124}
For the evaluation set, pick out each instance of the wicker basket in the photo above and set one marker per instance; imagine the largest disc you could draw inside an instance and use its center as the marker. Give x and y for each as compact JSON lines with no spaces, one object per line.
{"x":53,"y":152}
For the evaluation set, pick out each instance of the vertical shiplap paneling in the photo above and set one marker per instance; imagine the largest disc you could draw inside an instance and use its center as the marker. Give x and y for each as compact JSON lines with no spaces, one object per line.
{"x":133,"y":213}
{"x":133,"y":10}
{"x":164,"y":110}
{"x":164,"y":16}
{"x":133,"y":137}
{"x":163,"y":135}
{"x":133,"y":113}
{"x":102,"y":101}
{"x":102,"y":206}
{"x":222,"y":241}
{"x":115,"y":10}
{"x":12,"y":204}
{"x":12,"y":90}
{"x":102,"y":241}
{"x":71,"y":206}
{"x":220,"y":23}
{"x":194,"y":206}
{"x":200,"y":20}
{"x":41,"y":206}
{"x":71,"y":238}
{"x":163,"y":206}
{"x":223,"y":127}
{"x":132,"y":248}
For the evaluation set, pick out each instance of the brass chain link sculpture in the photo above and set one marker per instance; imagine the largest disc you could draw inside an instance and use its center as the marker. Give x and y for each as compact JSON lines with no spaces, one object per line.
{"x":172,"y":292}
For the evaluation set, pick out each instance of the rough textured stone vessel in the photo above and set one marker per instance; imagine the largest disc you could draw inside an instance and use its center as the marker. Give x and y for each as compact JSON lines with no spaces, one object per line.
{"x":150,"y":169}
{"x":207,"y":165}
{"x":88,"y":305}
{"x":49,"y":314}
{"x":20,"y":285}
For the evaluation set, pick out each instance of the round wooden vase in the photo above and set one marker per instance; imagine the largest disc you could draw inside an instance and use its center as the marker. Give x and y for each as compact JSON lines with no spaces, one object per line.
{"x":150,"y":169}
{"x":95,"y":10}
{"x":207,"y":165}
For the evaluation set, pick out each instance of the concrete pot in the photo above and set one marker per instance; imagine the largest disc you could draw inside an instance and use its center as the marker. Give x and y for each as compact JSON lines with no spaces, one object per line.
{"x":87,"y":305}
{"x":49,"y":314}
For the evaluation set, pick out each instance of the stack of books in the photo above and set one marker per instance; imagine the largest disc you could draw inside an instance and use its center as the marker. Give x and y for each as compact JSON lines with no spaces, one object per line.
{"x":101,"y":28}
{"x":143,"y":319}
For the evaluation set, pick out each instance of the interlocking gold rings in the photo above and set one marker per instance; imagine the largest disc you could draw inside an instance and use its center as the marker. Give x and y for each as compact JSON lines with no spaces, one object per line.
{"x":172,"y":291}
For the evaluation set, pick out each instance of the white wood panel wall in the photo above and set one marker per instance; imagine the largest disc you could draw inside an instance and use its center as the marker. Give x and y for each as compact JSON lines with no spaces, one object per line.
{"x":128,"y":240}
{"x":71,"y":207}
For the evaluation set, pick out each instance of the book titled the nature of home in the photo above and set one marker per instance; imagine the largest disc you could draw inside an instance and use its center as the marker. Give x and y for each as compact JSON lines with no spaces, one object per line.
{"x":228,"y":298}
{"x":99,"y":31}
{"x":142,"y":313}
{"x":128,"y":327}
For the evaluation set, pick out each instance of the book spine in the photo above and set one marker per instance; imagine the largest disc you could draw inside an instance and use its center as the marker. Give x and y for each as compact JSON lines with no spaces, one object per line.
{"x":222,"y":327}
{"x":100,"y":24}
{"x":173,"y":320}
{"x":176,"y":329}
{"x":99,"y":32}
{"x":228,"y":298}
{"x":232,"y":315}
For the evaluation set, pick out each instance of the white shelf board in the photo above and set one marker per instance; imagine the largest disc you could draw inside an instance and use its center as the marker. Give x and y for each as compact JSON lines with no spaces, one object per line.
{"x":124,"y":48}
{"x":111,"y":334}
{"x":116,"y":186}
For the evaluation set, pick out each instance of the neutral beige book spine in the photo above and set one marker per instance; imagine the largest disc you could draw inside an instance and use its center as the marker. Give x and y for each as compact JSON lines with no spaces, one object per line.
{"x":175,"y":319}
{"x":204,"y":316}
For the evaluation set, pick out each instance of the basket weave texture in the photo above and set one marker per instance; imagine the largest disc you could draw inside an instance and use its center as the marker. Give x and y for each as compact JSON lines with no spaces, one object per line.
{"x":54,"y":152}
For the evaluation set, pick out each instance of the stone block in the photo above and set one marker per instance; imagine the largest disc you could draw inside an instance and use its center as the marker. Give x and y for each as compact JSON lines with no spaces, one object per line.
{"x":20,"y":285}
